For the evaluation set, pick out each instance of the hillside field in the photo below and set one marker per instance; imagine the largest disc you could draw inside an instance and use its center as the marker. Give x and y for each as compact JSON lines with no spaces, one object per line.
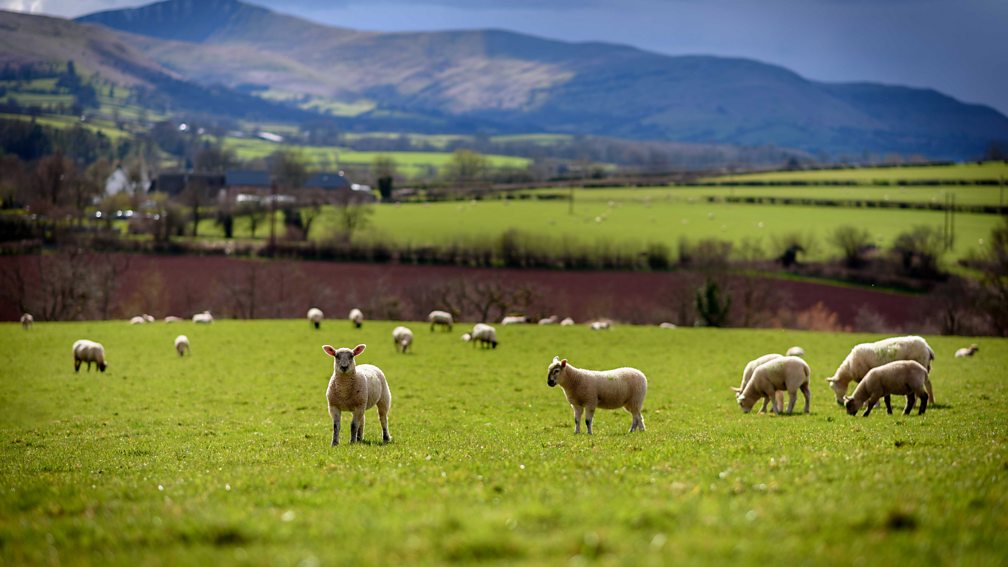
{"x":224,"y":456}
{"x":990,"y":171}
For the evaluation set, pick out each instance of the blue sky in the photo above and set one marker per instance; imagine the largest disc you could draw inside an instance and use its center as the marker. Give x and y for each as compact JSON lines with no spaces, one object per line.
{"x":955,"y":46}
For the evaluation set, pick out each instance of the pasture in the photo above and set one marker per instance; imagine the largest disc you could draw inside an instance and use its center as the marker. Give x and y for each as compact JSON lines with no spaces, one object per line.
{"x":224,"y":456}
{"x":989,"y":171}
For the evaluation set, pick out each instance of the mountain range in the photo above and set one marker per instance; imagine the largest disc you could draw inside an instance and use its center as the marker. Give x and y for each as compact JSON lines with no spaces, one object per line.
{"x":494,"y":81}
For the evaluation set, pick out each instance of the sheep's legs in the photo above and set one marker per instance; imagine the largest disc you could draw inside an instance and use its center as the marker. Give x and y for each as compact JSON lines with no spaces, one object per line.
{"x":356,"y":425}
{"x":360,"y":427}
{"x":766,"y":401}
{"x":871,"y":404}
{"x":77,"y":364}
{"x":577,"y":418}
{"x":383,"y":418}
{"x":792,"y":398}
{"x":335,"y":429}
{"x":888,"y":403}
{"x":589,"y":415}
{"x":927,"y":388}
{"x":808,"y":396}
{"x":924,"y":402}
{"x":638,"y":420}
{"x":911,"y":400}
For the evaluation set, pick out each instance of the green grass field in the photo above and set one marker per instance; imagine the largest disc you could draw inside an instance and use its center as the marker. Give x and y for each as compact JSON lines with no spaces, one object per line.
{"x":965,"y":171}
{"x":223,"y":457}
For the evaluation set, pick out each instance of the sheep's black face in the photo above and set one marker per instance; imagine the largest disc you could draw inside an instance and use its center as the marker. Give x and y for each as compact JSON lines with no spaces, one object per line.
{"x":551,"y":376}
{"x":851,"y":405}
{"x":102,"y":366}
{"x":344,"y":360}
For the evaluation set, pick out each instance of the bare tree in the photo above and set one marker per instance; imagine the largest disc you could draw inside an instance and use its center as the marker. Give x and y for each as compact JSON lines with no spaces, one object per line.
{"x":853,"y":242}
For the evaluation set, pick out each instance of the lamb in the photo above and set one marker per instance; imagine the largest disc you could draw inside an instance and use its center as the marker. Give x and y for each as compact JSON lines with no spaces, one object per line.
{"x":902,"y":377}
{"x":355,"y":388}
{"x":402,"y":337}
{"x":747,"y":373}
{"x":172,"y":319}
{"x":865,"y":356}
{"x":204,"y":318}
{"x":968,"y":351}
{"x":315,"y":317}
{"x":785,"y":373}
{"x":138,"y":320}
{"x":590,"y":389}
{"x":27,"y":321}
{"x":483,"y":334}
{"x":182,"y":344}
{"x":514,"y":320}
{"x":440,"y":319}
{"x":795,"y":351}
{"x":356,"y":317}
{"x":600,"y":326}
{"x":551,"y":320}
{"x":89,"y":351}
{"x":567,"y":322}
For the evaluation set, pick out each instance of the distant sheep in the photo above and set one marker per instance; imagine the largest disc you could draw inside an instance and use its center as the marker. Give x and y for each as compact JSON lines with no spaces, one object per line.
{"x":567,"y":322}
{"x":903,"y":378}
{"x":148,"y":318}
{"x":600,"y":325}
{"x":356,"y":317}
{"x":27,"y":321}
{"x":182,"y":344}
{"x":483,"y":334}
{"x":788,"y":373}
{"x":315,"y":317}
{"x":89,"y":351}
{"x":865,"y":356}
{"x":439,"y":318}
{"x":587,"y":390}
{"x":356,"y":387}
{"x":172,"y":319}
{"x":968,"y":351}
{"x":747,"y":373}
{"x":402,"y":338}
{"x":551,"y":320}
{"x":204,"y":318}
{"x":667,"y":325}
{"x":138,"y":320}
{"x":514,"y":320}
{"x":795,"y":351}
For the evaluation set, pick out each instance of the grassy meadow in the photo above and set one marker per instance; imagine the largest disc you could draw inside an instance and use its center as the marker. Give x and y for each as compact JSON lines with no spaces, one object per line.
{"x":224,"y":456}
{"x":991,"y":170}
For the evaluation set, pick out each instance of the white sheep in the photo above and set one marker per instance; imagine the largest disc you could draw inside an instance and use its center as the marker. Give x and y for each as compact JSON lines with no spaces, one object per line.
{"x":172,"y":319}
{"x":439,"y":318}
{"x":608,"y":389}
{"x":204,"y":318}
{"x":402,"y":338}
{"x":795,"y":351}
{"x":148,"y":318}
{"x":89,"y":351}
{"x":356,"y":317}
{"x":567,"y":322}
{"x":483,"y":334}
{"x":600,"y":325}
{"x":551,"y":320}
{"x":667,"y":325}
{"x":865,"y":356}
{"x":967,"y":351}
{"x":315,"y":317}
{"x":182,"y":344}
{"x":903,"y":378}
{"x":355,"y":388}
{"x":747,"y":375}
{"x":785,"y":373}
{"x":138,"y":320}
{"x":514,"y":320}
{"x":27,"y":321}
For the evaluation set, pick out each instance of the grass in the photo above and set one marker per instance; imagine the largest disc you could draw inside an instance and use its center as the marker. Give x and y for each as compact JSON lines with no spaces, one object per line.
{"x":224,"y":457}
{"x":61,"y":121}
{"x":992,"y":170}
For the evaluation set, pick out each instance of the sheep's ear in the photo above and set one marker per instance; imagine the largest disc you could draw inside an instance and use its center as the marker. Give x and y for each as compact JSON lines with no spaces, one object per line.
{"x":329,"y":350}
{"x":847,"y":398}
{"x":831,"y":380}
{"x":358,"y":349}
{"x":736,"y":389}
{"x":556,"y":359}
{"x":563,"y":363}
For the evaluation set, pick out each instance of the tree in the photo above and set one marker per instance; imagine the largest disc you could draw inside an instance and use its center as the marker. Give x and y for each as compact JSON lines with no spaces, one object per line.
{"x":712,"y":308}
{"x":466,"y":166}
{"x":994,"y":268}
{"x":195,"y":195}
{"x":288,"y":169}
{"x":214,"y":159}
{"x":920,"y":249}
{"x":853,"y":242}
{"x":354,"y":215}
{"x":256,"y":213}
{"x":383,"y":168}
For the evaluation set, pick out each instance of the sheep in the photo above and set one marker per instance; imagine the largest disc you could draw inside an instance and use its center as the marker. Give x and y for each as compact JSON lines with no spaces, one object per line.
{"x":148,"y":318}
{"x":865,"y":356}
{"x":785,"y":373}
{"x":967,"y":351}
{"x":600,"y":326}
{"x":439,"y":318}
{"x":747,"y":375}
{"x":514,"y":320}
{"x":356,"y":317}
{"x":402,"y":338}
{"x":483,"y":334}
{"x":182,"y":344}
{"x":27,"y":321}
{"x":138,"y":320}
{"x":567,"y":322}
{"x":89,"y":351}
{"x":667,"y":325}
{"x":172,"y":319}
{"x":795,"y":351}
{"x":608,"y":389}
{"x":902,"y":377}
{"x":355,"y":388}
{"x":551,"y":320}
{"x":315,"y":317}
{"x":204,"y":318}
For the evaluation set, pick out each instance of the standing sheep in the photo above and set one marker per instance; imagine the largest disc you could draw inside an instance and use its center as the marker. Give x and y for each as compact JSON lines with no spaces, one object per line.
{"x":27,"y":321}
{"x":903,"y":378}
{"x":356,"y":317}
{"x":483,"y":334}
{"x":587,"y":390}
{"x":355,"y":388}
{"x":567,"y":322}
{"x":138,"y":320}
{"x":865,"y":356}
{"x":667,"y":325}
{"x":514,"y":320}
{"x":315,"y":317}
{"x":600,"y":326}
{"x":440,"y":319}
{"x":968,"y":351}
{"x":795,"y":351}
{"x":785,"y":373}
{"x":182,"y":344}
{"x":204,"y":318}
{"x":551,"y":320}
{"x":402,"y":338}
{"x":747,"y":373}
{"x":89,"y":351}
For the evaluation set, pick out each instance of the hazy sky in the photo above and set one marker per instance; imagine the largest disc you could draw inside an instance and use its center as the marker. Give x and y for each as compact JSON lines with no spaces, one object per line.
{"x":958,"y":47}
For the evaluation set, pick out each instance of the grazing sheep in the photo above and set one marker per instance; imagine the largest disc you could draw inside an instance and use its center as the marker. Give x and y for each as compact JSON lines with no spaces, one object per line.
{"x":968,"y":351}
{"x":608,"y":389}
{"x":138,"y":320}
{"x":440,"y":319}
{"x":204,"y":318}
{"x":795,"y":351}
{"x":402,"y":337}
{"x":356,"y":317}
{"x":182,"y":344}
{"x":903,"y":378}
{"x":551,"y":320}
{"x":483,"y":334}
{"x":148,"y":318}
{"x":172,"y":319}
{"x":567,"y":322}
{"x":315,"y":317}
{"x":785,"y":373}
{"x":600,"y":325}
{"x":747,"y":375}
{"x":27,"y":321}
{"x":89,"y":351}
{"x":667,"y":325}
{"x":355,"y":388}
{"x":514,"y":320}
{"x":865,"y":356}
